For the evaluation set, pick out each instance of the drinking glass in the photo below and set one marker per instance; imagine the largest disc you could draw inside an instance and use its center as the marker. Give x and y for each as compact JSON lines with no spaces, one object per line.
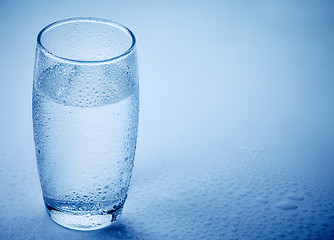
{"x":85,"y":119}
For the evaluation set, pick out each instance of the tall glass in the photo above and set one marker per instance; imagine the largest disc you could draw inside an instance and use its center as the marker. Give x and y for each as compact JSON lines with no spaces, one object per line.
{"x":85,"y":119}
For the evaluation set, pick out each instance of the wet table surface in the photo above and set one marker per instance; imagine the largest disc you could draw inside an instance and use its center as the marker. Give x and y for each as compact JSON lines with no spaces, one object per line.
{"x":236,"y":124}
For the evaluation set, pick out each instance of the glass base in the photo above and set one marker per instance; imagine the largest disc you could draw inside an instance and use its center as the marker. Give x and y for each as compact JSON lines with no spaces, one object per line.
{"x":83,"y":221}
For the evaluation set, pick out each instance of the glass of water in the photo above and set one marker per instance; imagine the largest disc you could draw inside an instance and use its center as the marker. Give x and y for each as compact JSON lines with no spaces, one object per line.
{"x":85,"y":119}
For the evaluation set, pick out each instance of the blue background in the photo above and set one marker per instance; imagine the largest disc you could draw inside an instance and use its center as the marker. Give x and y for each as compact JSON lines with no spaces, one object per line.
{"x":236,"y":124}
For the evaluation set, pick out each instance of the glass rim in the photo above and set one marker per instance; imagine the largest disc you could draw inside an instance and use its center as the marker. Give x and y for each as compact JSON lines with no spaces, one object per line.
{"x":85,"y":19}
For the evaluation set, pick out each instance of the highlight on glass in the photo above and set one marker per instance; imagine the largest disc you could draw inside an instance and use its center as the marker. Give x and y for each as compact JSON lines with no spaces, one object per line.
{"x":85,"y":119}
